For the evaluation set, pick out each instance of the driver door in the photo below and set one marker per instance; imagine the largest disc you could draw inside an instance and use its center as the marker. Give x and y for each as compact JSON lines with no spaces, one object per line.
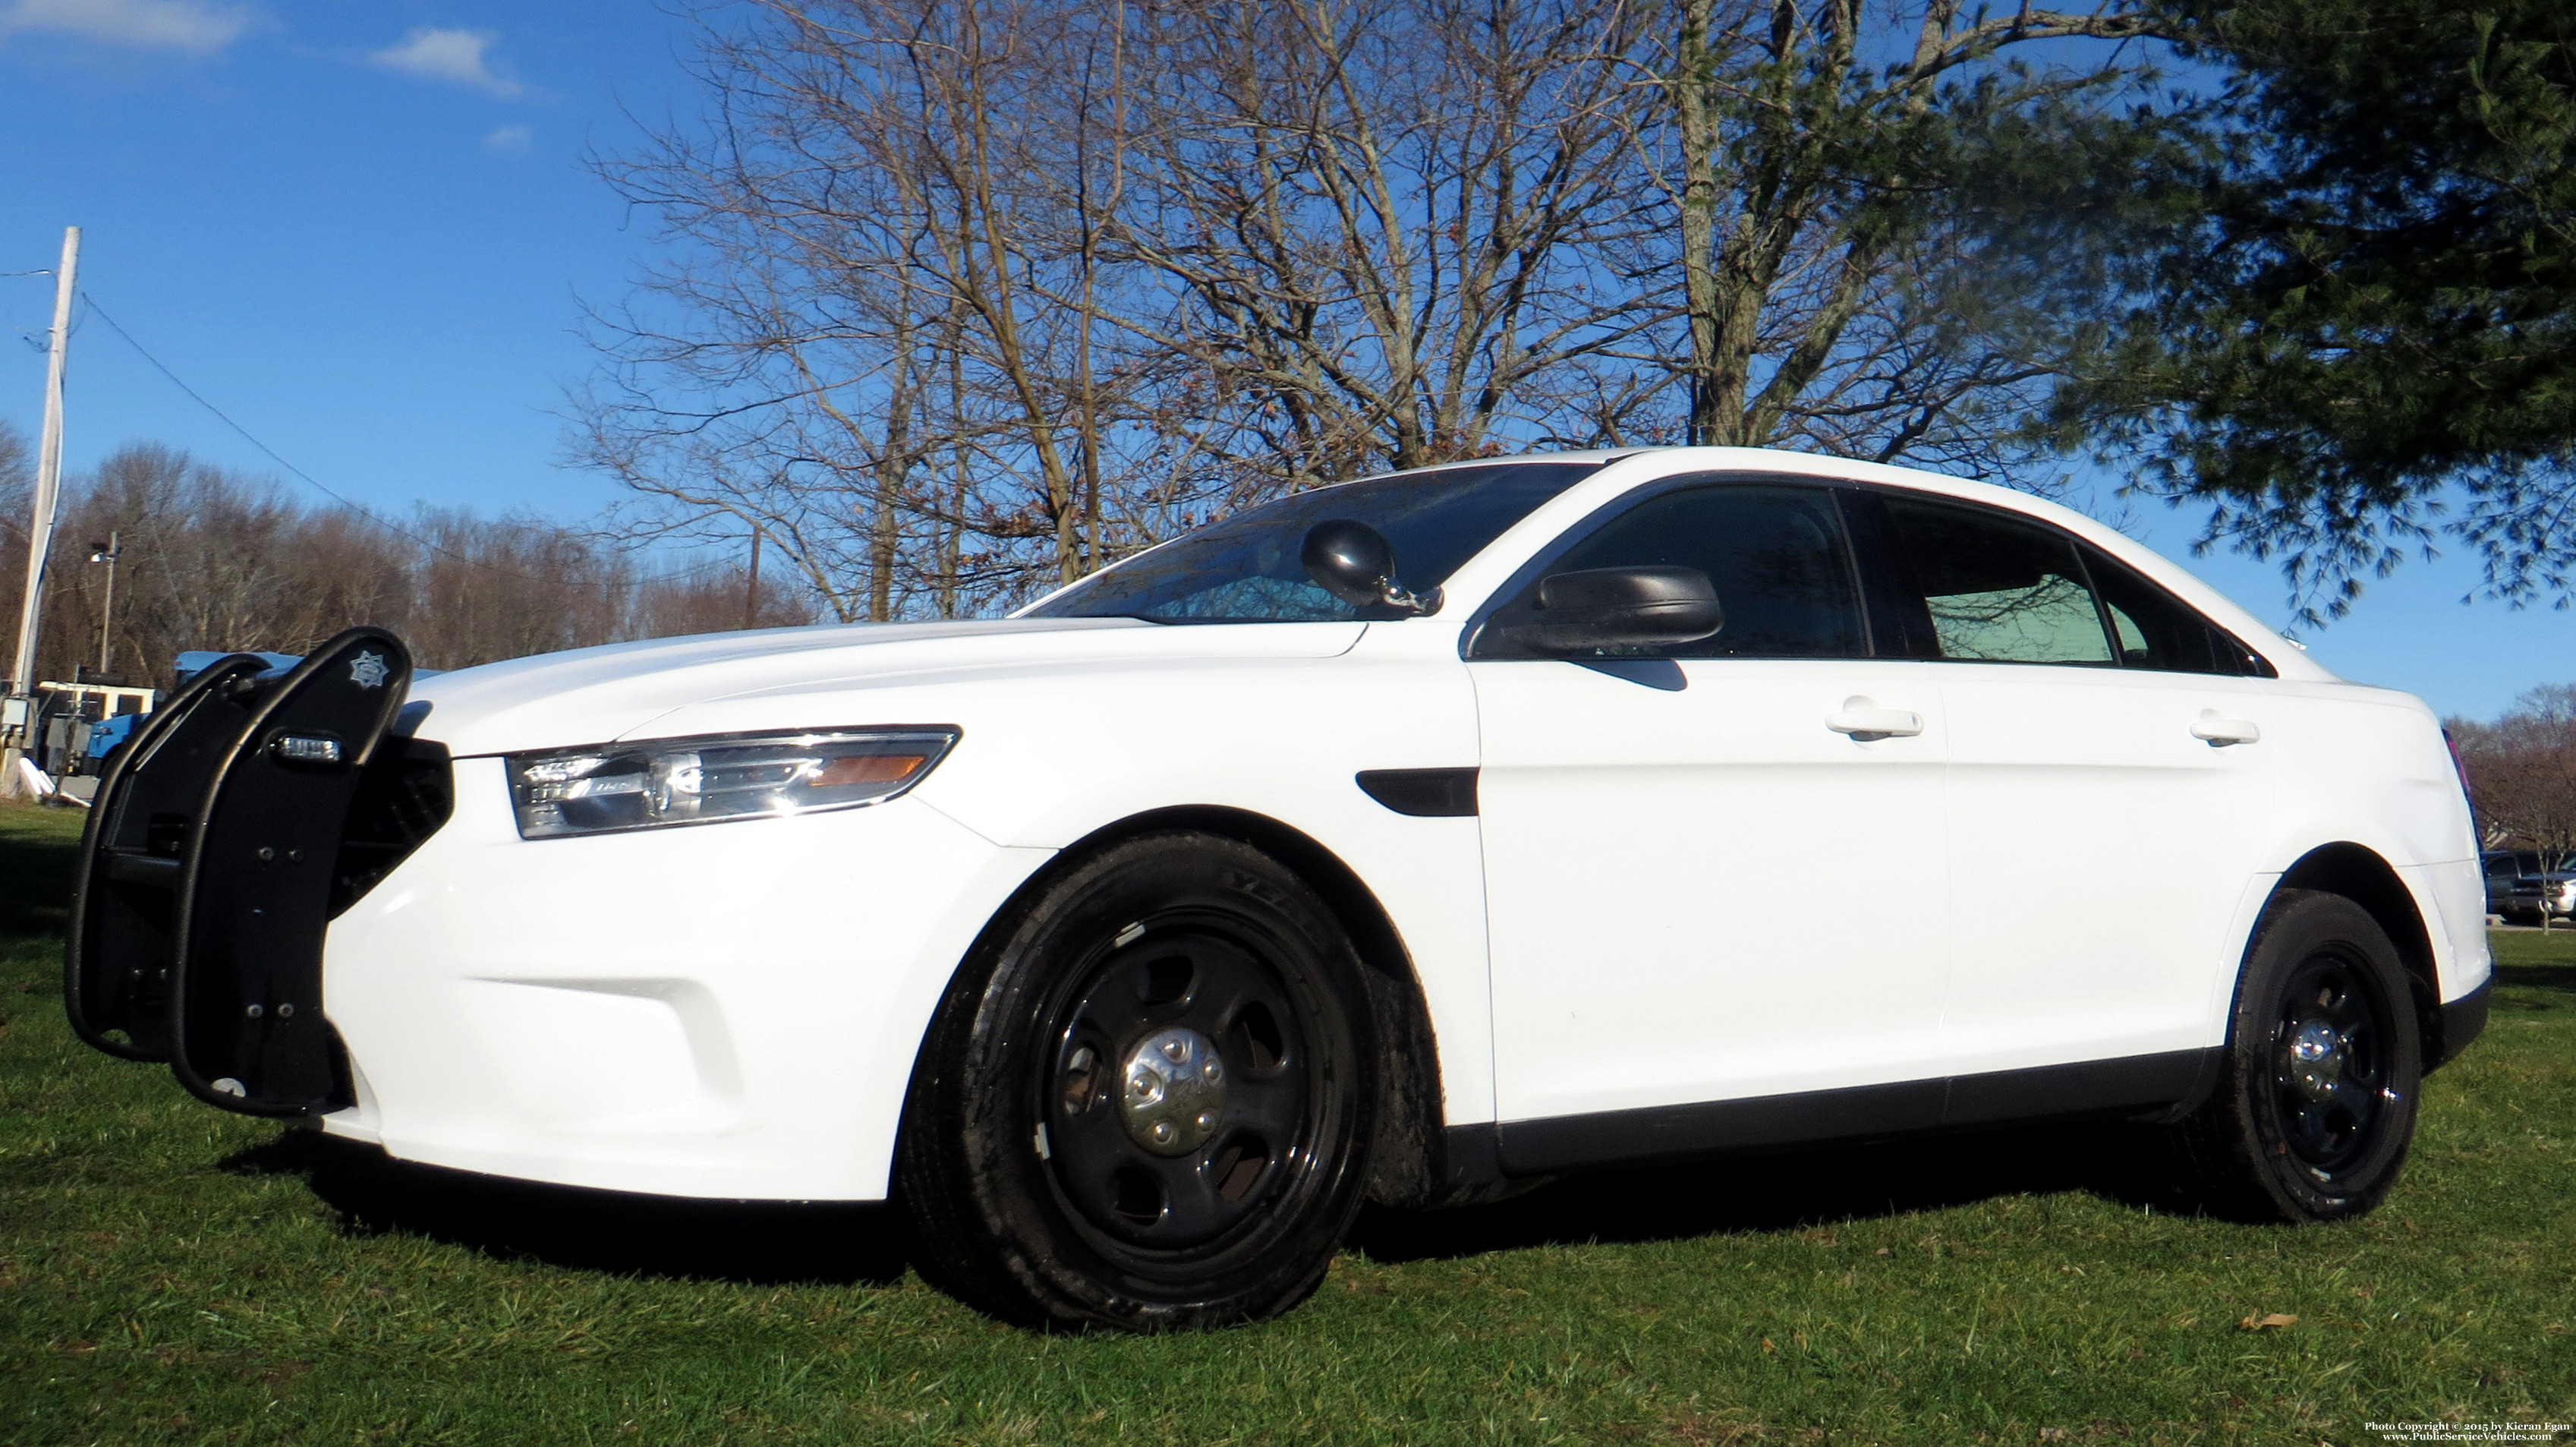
{"x":1704,"y":884}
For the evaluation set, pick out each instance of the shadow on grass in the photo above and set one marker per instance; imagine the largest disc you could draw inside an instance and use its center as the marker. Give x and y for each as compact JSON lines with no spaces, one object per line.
{"x":35,"y":878}
{"x":1782,"y":1193}
{"x":2560,"y":978}
{"x":771,"y":1243}
{"x":750,"y":1242}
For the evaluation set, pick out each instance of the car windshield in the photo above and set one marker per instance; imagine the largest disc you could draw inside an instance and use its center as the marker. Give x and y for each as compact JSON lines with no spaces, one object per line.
{"x":1245,"y":569}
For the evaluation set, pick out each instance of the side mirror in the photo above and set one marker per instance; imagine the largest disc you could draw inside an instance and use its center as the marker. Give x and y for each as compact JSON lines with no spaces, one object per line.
{"x":1618,"y":608}
{"x":1355,"y":563}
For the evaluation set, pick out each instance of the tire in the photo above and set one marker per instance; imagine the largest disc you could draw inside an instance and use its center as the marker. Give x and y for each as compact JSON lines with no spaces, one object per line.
{"x":2315,"y":1102}
{"x":1051,"y":1186}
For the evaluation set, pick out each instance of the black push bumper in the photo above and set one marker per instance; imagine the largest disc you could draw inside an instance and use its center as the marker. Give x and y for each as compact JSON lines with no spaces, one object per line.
{"x":245,"y":814}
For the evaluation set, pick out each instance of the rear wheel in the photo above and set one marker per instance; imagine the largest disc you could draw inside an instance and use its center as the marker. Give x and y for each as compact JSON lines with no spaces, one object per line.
{"x":2315,"y":1103}
{"x":1145,"y":1104}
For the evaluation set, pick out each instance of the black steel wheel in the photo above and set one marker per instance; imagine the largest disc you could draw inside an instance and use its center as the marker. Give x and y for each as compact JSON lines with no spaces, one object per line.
{"x":2315,"y":1104}
{"x":1145,"y":1102}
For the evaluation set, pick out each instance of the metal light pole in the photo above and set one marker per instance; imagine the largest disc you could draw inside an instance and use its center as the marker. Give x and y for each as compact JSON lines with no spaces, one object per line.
{"x":107,"y":606}
{"x":20,"y":717}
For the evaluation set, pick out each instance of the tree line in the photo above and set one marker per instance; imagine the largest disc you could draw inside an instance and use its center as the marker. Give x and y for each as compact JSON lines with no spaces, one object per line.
{"x":209,"y":558}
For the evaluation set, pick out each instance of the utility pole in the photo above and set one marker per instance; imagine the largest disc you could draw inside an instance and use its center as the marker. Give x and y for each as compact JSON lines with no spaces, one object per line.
{"x":20,"y":719}
{"x":107,"y":605}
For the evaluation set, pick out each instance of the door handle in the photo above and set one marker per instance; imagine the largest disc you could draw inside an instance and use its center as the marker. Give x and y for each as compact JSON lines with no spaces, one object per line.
{"x":1865,"y":720}
{"x":2218,"y":732}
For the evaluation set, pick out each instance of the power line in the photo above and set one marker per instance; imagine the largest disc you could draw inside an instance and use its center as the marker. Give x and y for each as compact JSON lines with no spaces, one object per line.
{"x":307,"y":478}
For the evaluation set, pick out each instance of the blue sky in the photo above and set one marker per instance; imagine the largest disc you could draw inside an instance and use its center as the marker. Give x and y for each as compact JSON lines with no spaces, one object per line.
{"x":363,"y":230}
{"x":359,"y":228}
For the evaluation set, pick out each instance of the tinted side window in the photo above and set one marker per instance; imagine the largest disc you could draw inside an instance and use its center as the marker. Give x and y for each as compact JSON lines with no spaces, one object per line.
{"x":1775,"y":555}
{"x":2157,"y":630}
{"x":2153,"y":630}
{"x":1997,"y":590}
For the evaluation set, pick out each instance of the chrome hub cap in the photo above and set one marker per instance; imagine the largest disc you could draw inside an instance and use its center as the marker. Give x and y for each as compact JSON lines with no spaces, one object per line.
{"x":1180,"y":1101}
{"x":2316,"y":1060}
{"x":2331,"y":1090}
{"x":1172,"y":1093}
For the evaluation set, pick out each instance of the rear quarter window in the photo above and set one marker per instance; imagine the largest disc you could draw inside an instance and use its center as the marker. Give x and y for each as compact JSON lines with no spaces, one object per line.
{"x":2154,"y":629}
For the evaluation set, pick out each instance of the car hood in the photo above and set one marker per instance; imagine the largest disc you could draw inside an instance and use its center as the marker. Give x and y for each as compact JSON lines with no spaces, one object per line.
{"x":597,"y":695}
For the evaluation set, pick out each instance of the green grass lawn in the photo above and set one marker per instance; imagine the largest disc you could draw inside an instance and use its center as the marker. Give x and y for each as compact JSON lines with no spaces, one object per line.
{"x":169,"y":1273}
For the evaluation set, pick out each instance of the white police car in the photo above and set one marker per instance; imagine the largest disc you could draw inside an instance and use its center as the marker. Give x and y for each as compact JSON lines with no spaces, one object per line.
{"x":1405,"y":839}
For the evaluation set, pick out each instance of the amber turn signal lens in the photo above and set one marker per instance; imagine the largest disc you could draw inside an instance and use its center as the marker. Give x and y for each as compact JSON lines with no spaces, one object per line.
{"x":867,"y":769}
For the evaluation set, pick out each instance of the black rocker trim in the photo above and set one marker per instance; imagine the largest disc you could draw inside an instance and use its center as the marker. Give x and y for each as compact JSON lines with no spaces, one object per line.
{"x":1862,"y":1112}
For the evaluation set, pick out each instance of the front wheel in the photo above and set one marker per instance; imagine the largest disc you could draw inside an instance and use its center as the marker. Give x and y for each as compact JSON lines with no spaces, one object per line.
{"x":2315,"y":1103}
{"x":1145,"y":1102}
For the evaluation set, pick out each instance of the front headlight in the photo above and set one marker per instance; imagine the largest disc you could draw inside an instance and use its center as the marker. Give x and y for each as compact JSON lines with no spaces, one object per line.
{"x":613,"y":787}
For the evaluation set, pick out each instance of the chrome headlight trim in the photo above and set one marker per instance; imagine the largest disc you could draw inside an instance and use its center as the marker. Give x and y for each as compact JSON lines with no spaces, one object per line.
{"x":639,"y":784}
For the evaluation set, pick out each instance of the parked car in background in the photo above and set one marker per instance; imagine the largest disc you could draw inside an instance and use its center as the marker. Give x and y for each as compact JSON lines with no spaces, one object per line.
{"x":2522,"y":884}
{"x":1413,"y":839}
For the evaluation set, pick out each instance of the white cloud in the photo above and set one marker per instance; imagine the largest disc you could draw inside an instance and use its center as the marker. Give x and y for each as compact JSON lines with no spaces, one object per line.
{"x":161,"y":24}
{"x":510,"y":138}
{"x":449,"y":55}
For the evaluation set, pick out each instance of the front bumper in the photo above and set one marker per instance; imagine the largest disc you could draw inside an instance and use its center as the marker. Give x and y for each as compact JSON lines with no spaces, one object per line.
{"x":729,"y":1010}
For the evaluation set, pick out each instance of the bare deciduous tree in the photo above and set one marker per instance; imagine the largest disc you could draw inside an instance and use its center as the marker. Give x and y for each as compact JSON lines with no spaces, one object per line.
{"x":1379,"y":223}
{"x":966,"y":298}
{"x":1824,"y":169}
{"x":881,"y":261}
{"x":2522,"y":773}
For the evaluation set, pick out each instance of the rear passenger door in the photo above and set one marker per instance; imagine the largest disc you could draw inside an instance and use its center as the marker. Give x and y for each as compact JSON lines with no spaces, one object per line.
{"x":2107,"y":785}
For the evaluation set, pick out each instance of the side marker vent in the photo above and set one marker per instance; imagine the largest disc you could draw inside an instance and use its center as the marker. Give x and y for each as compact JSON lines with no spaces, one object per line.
{"x":1422,"y":793}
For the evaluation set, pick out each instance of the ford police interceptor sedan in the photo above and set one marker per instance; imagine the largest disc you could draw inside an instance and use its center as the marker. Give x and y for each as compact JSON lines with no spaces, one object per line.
{"x":1407,"y":840}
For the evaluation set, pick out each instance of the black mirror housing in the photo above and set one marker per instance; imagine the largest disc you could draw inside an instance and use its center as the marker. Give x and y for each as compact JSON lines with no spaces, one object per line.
{"x":1349,"y":560}
{"x":1355,"y":563}
{"x":1616,"y":608}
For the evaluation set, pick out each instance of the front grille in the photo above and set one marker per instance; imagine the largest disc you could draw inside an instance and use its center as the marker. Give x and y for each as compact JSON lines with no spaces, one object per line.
{"x":405,"y":795}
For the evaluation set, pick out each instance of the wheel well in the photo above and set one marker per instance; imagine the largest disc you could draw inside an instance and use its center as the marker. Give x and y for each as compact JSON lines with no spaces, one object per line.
{"x":2360,"y":875}
{"x":1407,"y":1161}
